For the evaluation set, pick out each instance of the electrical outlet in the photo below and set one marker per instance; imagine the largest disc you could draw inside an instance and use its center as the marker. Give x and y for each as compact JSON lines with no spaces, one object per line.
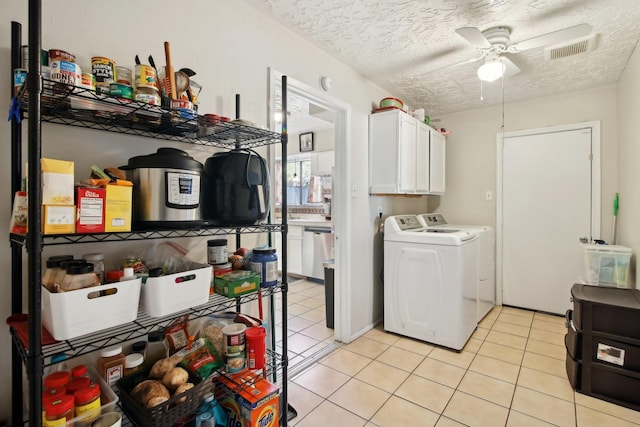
{"x":354,"y":191}
{"x":488,"y":195}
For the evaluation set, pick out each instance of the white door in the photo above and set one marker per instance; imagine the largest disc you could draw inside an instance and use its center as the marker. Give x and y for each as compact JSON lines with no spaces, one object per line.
{"x":408,"y":147}
{"x":422,"y":158}
{"x":547,"y":202}
{"x":437,"y":162}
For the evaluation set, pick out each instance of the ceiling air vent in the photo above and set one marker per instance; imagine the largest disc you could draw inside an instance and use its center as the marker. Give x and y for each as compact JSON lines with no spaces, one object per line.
{"x":570,"y":48}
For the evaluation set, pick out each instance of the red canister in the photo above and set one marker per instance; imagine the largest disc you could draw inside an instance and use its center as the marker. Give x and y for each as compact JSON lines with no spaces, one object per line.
{"x":256,"y":347}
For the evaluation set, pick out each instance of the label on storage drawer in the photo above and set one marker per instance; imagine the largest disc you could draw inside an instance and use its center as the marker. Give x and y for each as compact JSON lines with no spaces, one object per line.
{"x":610,"y":354}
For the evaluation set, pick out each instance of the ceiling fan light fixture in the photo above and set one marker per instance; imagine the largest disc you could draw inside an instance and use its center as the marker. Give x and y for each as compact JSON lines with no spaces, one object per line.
{"x":491,"y":70}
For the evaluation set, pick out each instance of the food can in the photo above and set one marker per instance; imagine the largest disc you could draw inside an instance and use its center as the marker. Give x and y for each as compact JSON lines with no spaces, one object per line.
{"x":234,"y":363}
{"x":123,"y":75}
{"x":44,"y":57}
{"x":121,"y":90}
{"x":145,"y":76}
{"x":60,"y":55}
{"x":19,"y":78}
{"x":264,"y":261}
{"x":104,"y":70}
{"x":66,"y":72}
{"x":234,"y":338}
{"x":148,"y":95}
{"x":89,"y":81}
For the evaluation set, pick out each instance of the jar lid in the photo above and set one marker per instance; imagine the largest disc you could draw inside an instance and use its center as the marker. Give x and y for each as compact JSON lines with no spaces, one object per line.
{"x":87,"y":394}
{"x":114,"y":275}
{"x":52,"y":393}
{"x":80,"y":268}
{"x":93,"y":257}
{"x":56,"y":261}
{"x":264,"y":251}
{"x":77,"y":384}
{"x":134,"y":359}
{"x":111,"y":351}
{"x":165,"y":157}
{"x":79,"y":371}
{"x":139,"y":346}
{"x":57,"y":379}
{"x":57,"y":407}
{"x":217,"y":242}
{"x":157,"y":335}
{"x":224,"y":266}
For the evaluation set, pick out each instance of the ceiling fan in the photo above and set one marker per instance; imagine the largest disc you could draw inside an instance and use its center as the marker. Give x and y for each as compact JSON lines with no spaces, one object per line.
{"x":495,"y":42}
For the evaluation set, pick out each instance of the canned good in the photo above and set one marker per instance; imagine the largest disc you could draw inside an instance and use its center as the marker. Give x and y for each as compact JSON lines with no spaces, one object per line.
{"x":61,"y":55}
{"x":66,"y":72}
{"x":149,"y":95}
{"x":104,"y":70}
{"x":44,"y":57}
{"x":145,"y":76}
{"x":89,"y":81}
{"x":123,"y":75}
{"x":19,"y":78}
{"x":121,"y":90}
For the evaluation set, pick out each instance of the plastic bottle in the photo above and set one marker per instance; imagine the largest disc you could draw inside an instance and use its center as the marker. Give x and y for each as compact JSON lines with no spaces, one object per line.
{"x":209,"y":413}
{"x":98,"y":264}
{"x":111,"y":364}
{"x":156,"y":347}
{"x":128,"y":274}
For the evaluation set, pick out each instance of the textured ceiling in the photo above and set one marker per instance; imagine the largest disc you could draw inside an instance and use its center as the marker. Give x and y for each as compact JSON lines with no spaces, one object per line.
{"x":402,"y":45}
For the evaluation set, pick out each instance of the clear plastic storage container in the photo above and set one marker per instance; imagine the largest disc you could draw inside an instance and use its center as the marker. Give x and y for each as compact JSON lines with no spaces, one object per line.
{"x":607,"y":265}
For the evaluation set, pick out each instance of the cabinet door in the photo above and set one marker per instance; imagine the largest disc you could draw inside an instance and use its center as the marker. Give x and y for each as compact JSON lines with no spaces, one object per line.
{"x":437,"y":162}
{"x":408,"y":148}
{"x":384,"y":134}
{"x":422,"y":159}
{"x":294,"y":250}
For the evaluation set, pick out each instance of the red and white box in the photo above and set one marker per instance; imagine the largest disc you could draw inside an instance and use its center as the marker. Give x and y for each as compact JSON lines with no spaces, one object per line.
{"x":91,"y":208}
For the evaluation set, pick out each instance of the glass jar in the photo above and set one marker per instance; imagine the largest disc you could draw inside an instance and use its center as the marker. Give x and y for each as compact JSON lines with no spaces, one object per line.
{"x":133,"y":363}
{"x":217,"y":252}
{"x":111,"y":364}
{"x":79,"y":276}
{"x":156,"y":347}
{"x":98,"y":264}
{"x":54,"y":267}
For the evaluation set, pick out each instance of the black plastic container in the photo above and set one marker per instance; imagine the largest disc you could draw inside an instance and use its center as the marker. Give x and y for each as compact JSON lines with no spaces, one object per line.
{"x":237,"y":188}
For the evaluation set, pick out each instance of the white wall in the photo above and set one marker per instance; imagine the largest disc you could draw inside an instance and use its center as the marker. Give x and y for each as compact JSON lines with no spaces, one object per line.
{"x":230,"y":46}
{"x":629,"y":157}
{"x":471,"y":149}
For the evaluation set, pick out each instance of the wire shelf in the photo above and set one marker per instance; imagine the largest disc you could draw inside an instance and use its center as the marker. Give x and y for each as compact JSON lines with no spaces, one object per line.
{"x":138,"y":328}
{"x":65,"y":239}
{"x":81,"y":107}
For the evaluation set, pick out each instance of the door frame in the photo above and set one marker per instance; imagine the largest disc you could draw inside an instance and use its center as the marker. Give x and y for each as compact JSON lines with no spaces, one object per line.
{"x":341,"y":184}
{"x":595,"y":184}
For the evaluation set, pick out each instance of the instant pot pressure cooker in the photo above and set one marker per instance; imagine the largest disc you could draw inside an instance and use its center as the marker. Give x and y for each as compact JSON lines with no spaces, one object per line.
{"x":237,"y":188}
{"x":166,"y":189}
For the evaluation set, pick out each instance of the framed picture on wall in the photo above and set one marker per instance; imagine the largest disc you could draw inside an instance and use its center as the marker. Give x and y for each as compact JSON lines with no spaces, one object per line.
{"x":306,"y":142}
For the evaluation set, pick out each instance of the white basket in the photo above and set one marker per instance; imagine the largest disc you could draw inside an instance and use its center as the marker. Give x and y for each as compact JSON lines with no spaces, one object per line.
{"x":175,"y":292}
{"x":71,"y":314}
{"x":607,"y":265}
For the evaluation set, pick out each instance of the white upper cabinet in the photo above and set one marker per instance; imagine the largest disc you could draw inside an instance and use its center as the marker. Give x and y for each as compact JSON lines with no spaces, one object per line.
{"x":405,"y":155}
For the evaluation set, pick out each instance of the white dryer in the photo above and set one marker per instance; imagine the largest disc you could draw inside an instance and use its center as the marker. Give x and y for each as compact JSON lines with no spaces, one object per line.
{"x":486,"y":258}
{"x":430,"y":281}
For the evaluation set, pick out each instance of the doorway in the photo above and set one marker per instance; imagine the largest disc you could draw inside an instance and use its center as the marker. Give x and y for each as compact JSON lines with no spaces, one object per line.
{"x":340,"y":113}
{"x":548,"y":201}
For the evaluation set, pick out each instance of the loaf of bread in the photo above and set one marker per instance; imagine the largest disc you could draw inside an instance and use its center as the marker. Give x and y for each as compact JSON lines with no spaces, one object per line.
{"x":181,"y":389}
{"x":150,"y":393}
{"x":175,"y":378}
{"x":162,"y":366}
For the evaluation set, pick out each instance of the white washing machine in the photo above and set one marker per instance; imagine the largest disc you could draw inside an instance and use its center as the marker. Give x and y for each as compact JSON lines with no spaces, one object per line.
{"x":486,"y":258}
{"x":430,"y":281}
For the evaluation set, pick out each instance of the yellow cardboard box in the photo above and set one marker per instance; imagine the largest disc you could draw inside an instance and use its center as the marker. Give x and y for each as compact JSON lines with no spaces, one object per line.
{"x":58,"y":219}
{"x":118,"y":207}
{"x":57,"y":182}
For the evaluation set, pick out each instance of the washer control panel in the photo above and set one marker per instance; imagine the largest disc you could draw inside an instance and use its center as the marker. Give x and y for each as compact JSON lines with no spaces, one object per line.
{"x":407,"y":222}
{"x":433,"y":219}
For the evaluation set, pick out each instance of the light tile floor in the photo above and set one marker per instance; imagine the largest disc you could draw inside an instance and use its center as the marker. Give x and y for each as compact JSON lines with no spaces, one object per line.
{"x":511,"y":373}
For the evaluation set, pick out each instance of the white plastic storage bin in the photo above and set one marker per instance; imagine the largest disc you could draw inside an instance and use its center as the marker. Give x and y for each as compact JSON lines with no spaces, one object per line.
{"x":68,"y":315}
{"x":607,"y":265}
{"x":108,"y":401}
{"x":175,"y":292}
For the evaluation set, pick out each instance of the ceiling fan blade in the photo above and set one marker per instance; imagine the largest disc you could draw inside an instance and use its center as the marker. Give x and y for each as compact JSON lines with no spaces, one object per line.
{"x":474,"y":36}
{"x":457,"y":64}
{"x":554,"y":37}
{"x":510,"y":69}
